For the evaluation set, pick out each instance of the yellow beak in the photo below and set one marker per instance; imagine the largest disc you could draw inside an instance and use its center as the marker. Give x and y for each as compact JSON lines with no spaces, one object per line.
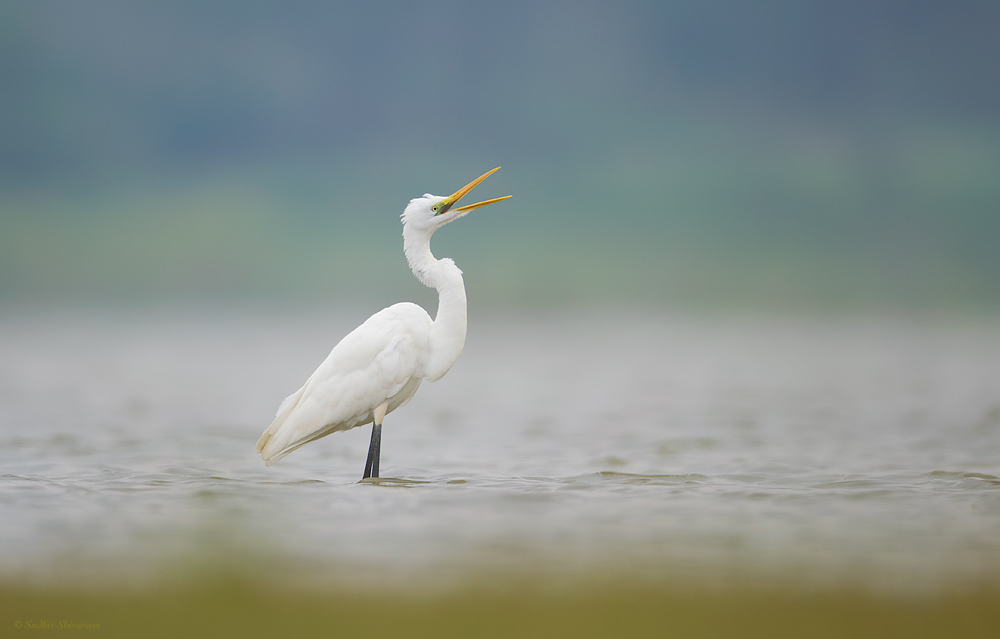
{"x":453,"y":199}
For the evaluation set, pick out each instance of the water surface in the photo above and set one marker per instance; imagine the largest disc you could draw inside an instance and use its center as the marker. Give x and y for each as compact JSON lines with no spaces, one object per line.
{"x":861,"y":451}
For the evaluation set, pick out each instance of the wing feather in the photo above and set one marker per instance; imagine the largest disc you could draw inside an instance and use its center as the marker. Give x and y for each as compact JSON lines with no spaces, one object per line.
{"x":375,"y":362}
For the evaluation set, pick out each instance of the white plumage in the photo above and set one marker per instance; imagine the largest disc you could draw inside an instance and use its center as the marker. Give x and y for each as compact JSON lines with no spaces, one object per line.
{"x":379,"y":365}
{"x":378,"y":361}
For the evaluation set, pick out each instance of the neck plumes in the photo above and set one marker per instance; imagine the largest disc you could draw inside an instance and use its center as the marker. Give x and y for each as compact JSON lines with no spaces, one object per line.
{"x":447,"y":336}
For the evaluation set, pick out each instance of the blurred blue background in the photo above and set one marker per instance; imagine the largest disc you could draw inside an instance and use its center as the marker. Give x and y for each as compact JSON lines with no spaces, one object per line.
{"x":715,"y":154}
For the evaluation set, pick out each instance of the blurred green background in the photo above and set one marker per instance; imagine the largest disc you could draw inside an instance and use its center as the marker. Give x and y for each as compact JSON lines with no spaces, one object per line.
{"x":719,"y":154}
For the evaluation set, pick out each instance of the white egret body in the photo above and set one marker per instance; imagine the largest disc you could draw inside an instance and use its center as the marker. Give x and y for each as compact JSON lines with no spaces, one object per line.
{"x":379,"y":365}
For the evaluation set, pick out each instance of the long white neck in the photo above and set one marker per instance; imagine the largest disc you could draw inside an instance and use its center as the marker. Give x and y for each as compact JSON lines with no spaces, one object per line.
{"x":447,"y":336}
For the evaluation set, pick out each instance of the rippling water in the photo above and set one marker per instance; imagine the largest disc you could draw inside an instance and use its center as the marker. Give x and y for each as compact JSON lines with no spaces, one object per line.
{"x":859,"y":451}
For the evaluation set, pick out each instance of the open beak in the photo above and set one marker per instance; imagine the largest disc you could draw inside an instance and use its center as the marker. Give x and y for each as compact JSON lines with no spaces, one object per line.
{"x":453,"y":199}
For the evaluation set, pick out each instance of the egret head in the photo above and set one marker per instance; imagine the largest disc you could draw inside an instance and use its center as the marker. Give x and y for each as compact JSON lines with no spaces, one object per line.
{"x":431,"y":212}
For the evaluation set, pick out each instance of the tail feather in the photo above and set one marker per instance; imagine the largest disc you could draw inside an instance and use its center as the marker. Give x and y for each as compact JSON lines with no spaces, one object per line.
{"x":271,"y":430}
{"x":284,"y":410}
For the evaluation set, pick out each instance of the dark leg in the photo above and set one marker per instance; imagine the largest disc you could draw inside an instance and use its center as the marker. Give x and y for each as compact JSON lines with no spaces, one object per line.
{"x":371,"y":466}
{"x":378,"y":448}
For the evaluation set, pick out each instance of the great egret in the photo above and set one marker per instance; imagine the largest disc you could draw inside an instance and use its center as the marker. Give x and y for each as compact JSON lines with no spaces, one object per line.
{"x":378,"y":366}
